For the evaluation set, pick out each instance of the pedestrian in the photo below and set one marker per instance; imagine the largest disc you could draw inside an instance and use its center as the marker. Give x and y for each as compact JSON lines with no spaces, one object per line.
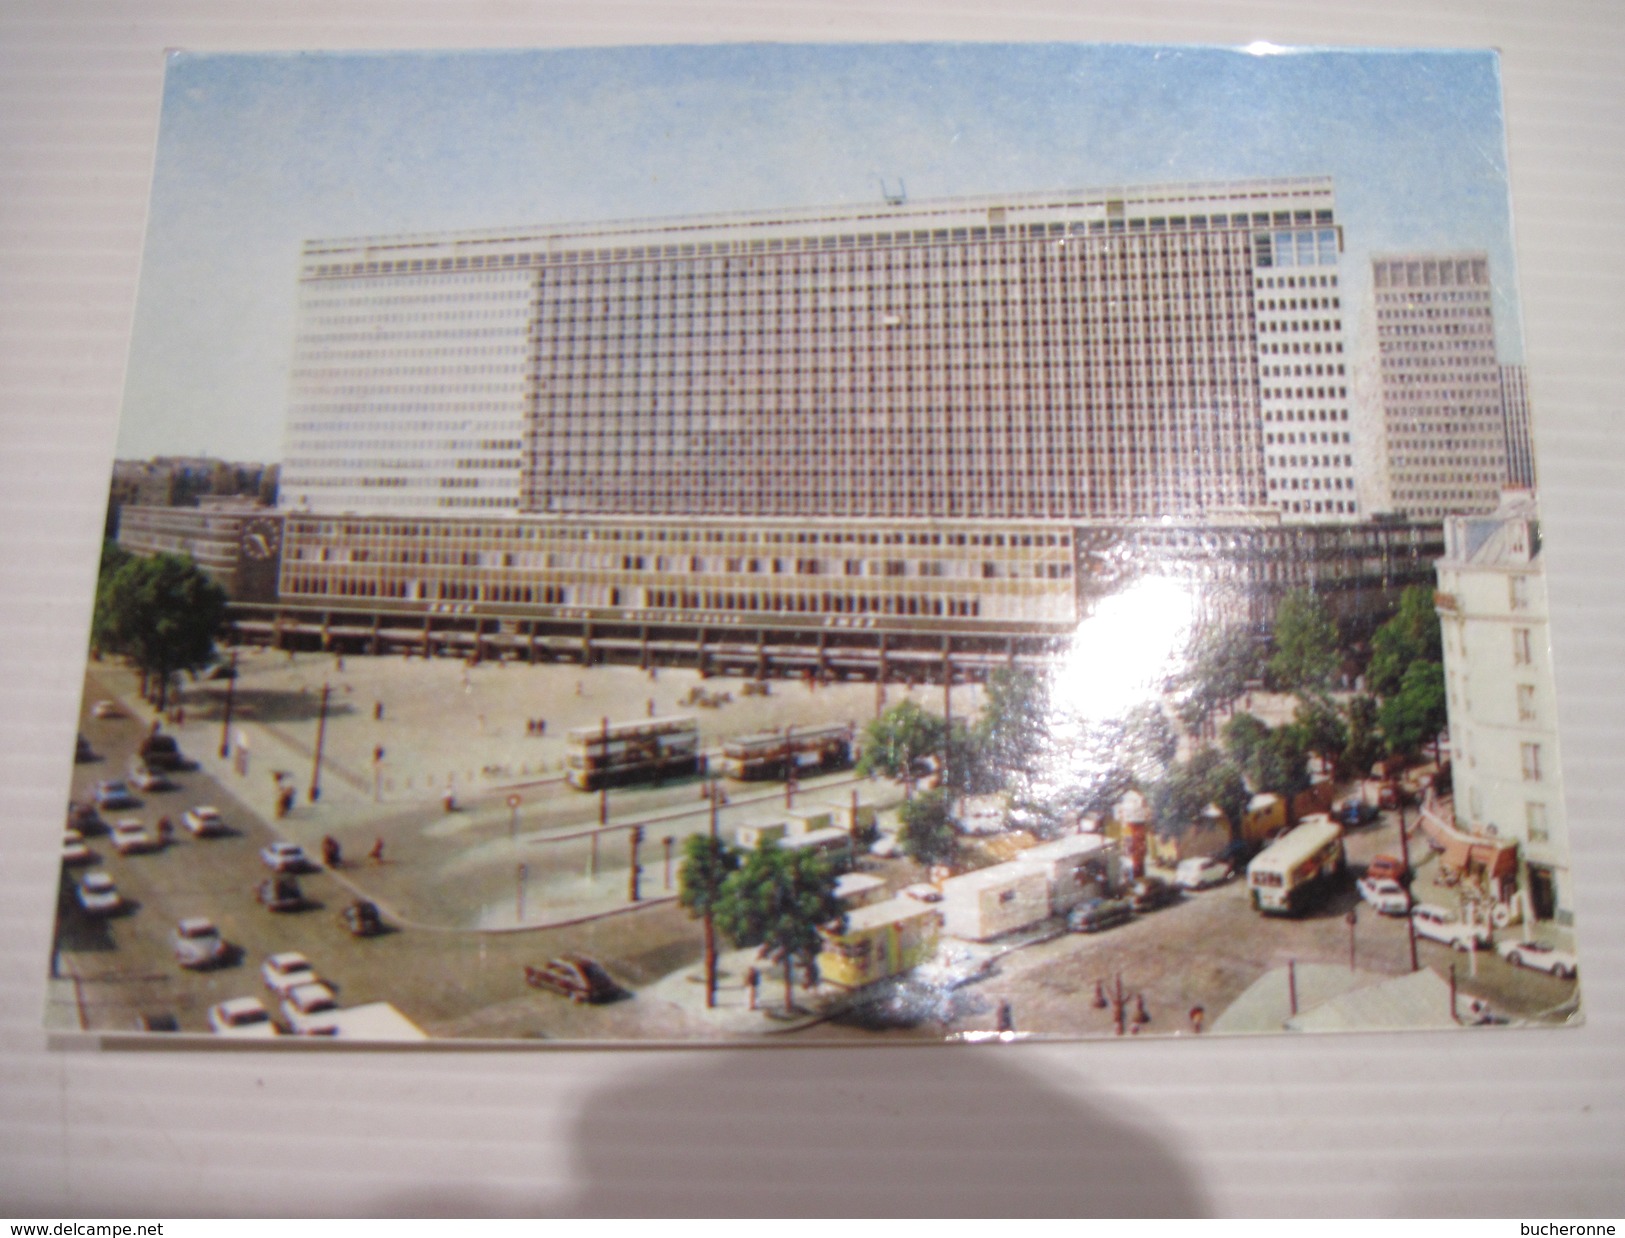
{"x":449,"y":800}
{"x":377,"y":711}
{"x":541,"y":726}
{"x":651,"y":707}
{"x":376,"y":855}
{"x":753,"y":981}
{"x":1007,"y":1019}
{"x":180,"y":715}
{"x":1198,"y":1017}
{"x":165,"y":829}
{"x":578,"y":687}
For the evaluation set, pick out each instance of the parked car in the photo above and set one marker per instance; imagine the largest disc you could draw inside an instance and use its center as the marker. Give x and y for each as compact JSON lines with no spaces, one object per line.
{"x":285,"y":858}
{"x":157,"y":1021}
{"x":241,"y":1016}
{"x":82,"y":751}
{"x":106,"y":709}
{"x":1149,"y":893}
{"x":1355,"y":812}
{"x":131,"y":837}
{"x":574,"y":976}
{"x":162,"y":752}
{"x":1560,"y":963}
{"x":1388,"y":897}
{"x":75,"y":850}
{"x":115,"y":794}
{"x":280,"y":893}
{"x":1099,"y":913}
{"x":203,"y":821}
{"x":144,"y":778}
{"x":308,"y":1010}
{"x":1437,"y":924}
{"x":98,"y":895}
{"x":1388,"y":868}
{"x":922,"y":892}
{"x":85,"y":819}
{"x":285,"y":972}
{"x":362,"y":919}
{"x":198,"y":944}
{"x":1199,"y":872}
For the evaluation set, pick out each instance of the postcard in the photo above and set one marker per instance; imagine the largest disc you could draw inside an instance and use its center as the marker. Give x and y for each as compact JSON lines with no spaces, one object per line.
{"x":821,"y":544}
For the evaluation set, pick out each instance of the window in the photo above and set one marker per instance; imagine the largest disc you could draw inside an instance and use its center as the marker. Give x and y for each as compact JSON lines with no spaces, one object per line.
{"x":1518,"y":590}
{"x":1531,"y":761}
{"x":1535,"y":820}
{"x":1526,"y":702}
{"x":1521,"y":647}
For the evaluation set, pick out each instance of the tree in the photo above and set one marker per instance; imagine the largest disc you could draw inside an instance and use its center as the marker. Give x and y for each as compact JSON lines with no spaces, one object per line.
{"x":707,"y":864}
{"x":1306,"y":654}
{"x":1322,"y":728}
{"x":1220,"y":664}
{"x":1014,"y":729}
{"x":162,"y":613}
{"x":928,"y":836}
{"x":1243,"y":736}
{"x":893,"y":742}
{"x":1281,"y":763}
{"x":1207,"y":778}
{"x":1364,"y":748}
{"x":1415,"y":714}
{"x":778,"y":900}
{"x":1412,"y":635}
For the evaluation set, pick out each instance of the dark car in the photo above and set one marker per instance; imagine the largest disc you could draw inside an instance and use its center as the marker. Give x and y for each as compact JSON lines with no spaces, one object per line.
{"x":1099,"y":913}
{"x":162,"y":752}
{"x":362,"y":919}
{"x":1388,"y":868}
{"x":1149,"y":893}
{"x":280,"y":893}
{"x":1353,"y":813}
{"x":573,"y":976}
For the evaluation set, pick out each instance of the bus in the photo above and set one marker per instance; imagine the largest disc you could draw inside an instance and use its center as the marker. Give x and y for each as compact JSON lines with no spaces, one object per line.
{"x":815,"y":750}
{"x":1297,"y":869}
{"x":617,"y":753}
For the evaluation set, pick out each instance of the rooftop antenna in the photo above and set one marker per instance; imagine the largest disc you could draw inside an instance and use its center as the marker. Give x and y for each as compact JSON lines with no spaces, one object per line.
{"x":894,"y":199}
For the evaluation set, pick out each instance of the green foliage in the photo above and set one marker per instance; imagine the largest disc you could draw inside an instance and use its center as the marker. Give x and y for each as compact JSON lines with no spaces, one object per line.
{"x":1415,"y":714}
{"x":1412,"y":635}
{"x":778,"y":900}
{"x":1365,"y":747}
{"x":928,"y":835}
{"x":162,"y":613}
{"x":1243,"y":736}
{"x":707,"y":864}
{"x":1219,"y":665}
{"x":1207,"y":778}
{"x":1322,"y":728}
{"x":898,"y":738}
{"x":1281,"y":763}
{"x":1306,"y":655}
{"x":1014,"y":729}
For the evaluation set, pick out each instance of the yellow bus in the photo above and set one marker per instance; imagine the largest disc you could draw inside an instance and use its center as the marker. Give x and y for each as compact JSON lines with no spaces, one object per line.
{"x":1297,"y":869}
{"x":616,"y":753}
{"x":774,"y":754}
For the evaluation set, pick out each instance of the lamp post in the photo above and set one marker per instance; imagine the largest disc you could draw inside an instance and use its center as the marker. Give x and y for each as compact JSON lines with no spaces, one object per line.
{"x":231,"y":693}
{"x":321,"y":736}
{"x":603,"y":796}
{"x":667,"y":843}
{"x":789,"y":766}
{"x":513,"y":819}
{"x":1405,"y":859}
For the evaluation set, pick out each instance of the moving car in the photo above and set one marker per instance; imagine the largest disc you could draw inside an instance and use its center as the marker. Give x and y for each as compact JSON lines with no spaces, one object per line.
{"x":1560,"y":963}
{"x":285,"y":858}
{"x":306,"y":1009}
{"x":203,"y":821}
{"x":574,"y":976}
{"x":241,"y":1016}
{"x":362,"y":919}
{"x":1149,"y":893}
{"x":280,"y":893}
{"x":1355,"y":812}
{"x":74,"y":849}
{"x":1099,"y":913}
{"x":98,"y":895}
{"x":115,"y":794}
{"x":106,"y":709}
{"x":198,"y":944}
{"x":285,"y":972}
{"x":1387,"y":896}
{"x":162,"y":752}
{"x":130,"y":837}
{"x":1199,"y":872}
{"x":144,"y":778}
{"x":1437,"y":924}
{"x":1388,"y":868}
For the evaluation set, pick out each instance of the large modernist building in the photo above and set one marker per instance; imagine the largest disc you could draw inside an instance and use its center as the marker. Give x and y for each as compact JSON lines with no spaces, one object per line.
{"x":943,"y":420}
{"x":1515,"y":420}
{"x":1441,"y":386}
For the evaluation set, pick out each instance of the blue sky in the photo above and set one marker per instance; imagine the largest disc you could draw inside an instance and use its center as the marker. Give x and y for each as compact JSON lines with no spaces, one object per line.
{"x":257,"y":153}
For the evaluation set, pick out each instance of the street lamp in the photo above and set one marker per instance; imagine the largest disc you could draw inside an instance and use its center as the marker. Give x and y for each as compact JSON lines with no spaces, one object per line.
{"x":321,"y":736}
{"x":231,"y":692}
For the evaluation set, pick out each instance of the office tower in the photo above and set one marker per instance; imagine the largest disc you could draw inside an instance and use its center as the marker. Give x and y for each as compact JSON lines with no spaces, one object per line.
{"x":1441,"y":386}
{"x":1515,"y":425}
{"x":1116,"y":354}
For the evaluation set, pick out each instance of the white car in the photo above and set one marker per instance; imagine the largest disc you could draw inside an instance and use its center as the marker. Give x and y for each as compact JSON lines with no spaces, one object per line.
{"x":1437,"y":924}
{"x":1560,"y":963}
{"x":130,"y":837}
{"x":308,"y":1010}
{"x":75,"y":850}
{"x":106,"y":709}
{"x":144,"y":778}
{"x":198,"y":944}
{"x":886,"y":847}
{"x":98,"y":895}
{"x":285,"y":972}
{"x":1386,"y":895}
{"x":203,"y":821}
{"x":285,"y":858}
{"x":241,"y":1016}
{"x":1198,"y":873}
{"x":922,"y":892}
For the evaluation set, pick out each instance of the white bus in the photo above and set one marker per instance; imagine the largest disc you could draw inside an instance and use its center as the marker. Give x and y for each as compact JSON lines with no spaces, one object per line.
{"x":616,"y":753}
{"x":1297,"y":869}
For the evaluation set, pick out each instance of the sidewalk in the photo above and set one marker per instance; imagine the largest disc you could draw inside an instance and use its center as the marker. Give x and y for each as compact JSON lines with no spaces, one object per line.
{"x":732,"y":1015}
